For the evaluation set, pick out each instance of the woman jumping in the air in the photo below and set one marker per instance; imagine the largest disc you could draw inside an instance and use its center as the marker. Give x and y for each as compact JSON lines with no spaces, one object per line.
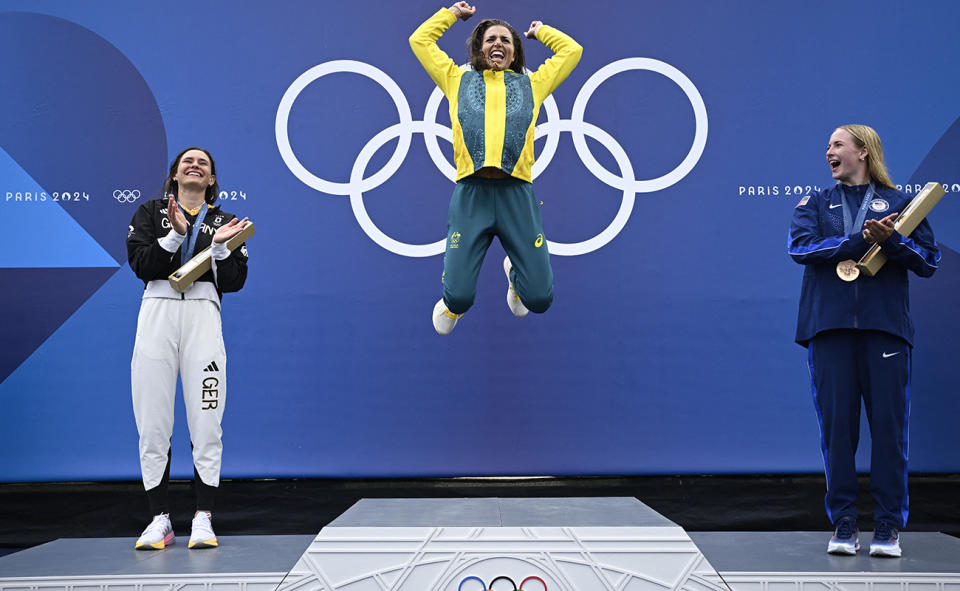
{"x":493,"y":111}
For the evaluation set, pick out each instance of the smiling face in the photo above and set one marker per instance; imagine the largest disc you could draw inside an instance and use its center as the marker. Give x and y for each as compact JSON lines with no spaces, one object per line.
{"x":847,"y":160}
{"x":497,"y":48}
{"x":195,"y":170}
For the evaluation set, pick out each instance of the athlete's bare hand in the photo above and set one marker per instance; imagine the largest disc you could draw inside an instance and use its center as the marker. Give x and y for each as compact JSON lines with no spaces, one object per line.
{"x":176,"y":217}
{"x":463,"y":10}
{"x":534,"y":27}
{"x":230,"y":229}
{"x":877,"y":231}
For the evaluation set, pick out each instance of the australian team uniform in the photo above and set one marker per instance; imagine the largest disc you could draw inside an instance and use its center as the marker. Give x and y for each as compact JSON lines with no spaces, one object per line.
{"x":180,"y":333}
{"x":859,"y":336}
{"x":493,"y":115}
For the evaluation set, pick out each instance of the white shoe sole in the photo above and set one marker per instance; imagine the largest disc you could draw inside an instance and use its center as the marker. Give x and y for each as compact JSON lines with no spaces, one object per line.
{"x":202,"y":544}
{"x":886,"y":551}
{"x":842,"y":549}
{"x":167,"y":540}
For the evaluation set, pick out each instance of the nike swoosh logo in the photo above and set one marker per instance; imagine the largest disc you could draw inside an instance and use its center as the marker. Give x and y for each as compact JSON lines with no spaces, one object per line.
{"x":885,"y":355}
{"x":835,"y":205}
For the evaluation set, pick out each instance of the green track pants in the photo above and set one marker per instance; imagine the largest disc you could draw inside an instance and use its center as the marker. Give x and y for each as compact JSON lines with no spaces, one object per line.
{"x":506,"y":208}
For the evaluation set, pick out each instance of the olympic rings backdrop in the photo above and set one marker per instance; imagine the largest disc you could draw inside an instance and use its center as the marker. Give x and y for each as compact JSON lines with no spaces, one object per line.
{"x":668,"y":167}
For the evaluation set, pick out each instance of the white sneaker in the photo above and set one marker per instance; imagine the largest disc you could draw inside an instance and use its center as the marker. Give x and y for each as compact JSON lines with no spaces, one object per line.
{"x":513,"y":300}
{"x":201,"y":532}
{"x":158,"y":535}
{"x":443,"y":319}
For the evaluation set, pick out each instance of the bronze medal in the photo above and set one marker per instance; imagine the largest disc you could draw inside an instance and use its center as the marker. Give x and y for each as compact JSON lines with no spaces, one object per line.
{"x":847,"y":270}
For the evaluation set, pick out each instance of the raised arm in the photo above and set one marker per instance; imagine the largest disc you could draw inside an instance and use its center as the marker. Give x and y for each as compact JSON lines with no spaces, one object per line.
{"x":555,"y":70}
{"x":442,"y":70}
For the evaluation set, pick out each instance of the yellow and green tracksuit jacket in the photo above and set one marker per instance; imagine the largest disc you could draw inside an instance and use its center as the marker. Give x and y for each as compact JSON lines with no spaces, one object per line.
{"x":493,"y":113}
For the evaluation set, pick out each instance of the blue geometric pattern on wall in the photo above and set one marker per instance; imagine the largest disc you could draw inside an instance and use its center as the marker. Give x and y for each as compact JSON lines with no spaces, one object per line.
{"x":55,"y":239}
{"x":81,"y":121}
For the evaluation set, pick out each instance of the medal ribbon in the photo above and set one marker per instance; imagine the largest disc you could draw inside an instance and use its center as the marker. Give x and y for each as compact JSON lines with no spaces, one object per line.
{"x":848,"y":225}
{"x":192,"y":232}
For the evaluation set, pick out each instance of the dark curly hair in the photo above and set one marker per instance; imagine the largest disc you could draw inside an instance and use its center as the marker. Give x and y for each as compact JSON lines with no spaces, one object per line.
{"x":475,"y":42}
{"x":171,"y":186}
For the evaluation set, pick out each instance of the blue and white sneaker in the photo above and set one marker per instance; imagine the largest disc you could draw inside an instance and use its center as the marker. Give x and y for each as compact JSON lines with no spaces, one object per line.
{"x":846,"y":538}
{"x":886,"y":541}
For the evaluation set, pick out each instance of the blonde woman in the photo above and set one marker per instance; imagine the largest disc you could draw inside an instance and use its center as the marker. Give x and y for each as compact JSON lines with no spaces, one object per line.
{"x":858,"y":331}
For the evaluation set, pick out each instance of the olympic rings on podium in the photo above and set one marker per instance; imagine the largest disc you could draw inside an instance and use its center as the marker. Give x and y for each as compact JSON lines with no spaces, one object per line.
{"x":460,"y":587}
{"x":523,"y":582}
{"x":431,"y":130}
{"x":503,"y":577}
{"x":493,"y":582}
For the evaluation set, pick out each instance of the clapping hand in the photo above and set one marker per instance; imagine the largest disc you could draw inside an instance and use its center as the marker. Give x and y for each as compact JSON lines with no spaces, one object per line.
{"x":230,"y":229}
{"x":877,"y":231}
{"x":176,"y":217}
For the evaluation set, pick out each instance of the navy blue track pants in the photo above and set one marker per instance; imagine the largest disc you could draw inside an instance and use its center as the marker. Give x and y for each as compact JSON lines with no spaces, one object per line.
{"x":845,"y":366}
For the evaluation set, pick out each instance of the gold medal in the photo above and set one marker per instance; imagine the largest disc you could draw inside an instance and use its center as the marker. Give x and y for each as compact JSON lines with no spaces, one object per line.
{"x":847,"y":270}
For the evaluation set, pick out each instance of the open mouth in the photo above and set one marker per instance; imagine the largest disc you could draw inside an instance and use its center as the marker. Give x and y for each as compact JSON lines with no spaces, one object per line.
{"x":496,"y":55}
{"x":193,"y":173}
{"x":834,"y":164}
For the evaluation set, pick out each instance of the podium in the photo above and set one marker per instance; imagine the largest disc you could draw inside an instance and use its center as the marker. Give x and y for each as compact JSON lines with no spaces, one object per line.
{"x":571,"y":544}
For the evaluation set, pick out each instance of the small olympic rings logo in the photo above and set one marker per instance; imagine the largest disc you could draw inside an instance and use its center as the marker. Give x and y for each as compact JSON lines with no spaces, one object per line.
{"x":501,"y":578}
{"x":431,"y":130}
{"x":126,"y":196}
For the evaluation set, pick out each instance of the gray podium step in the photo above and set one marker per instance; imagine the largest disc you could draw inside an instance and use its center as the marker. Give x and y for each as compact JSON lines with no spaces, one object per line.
{"x":797,"y":561}
{"x":244,"y":563}
{"x":497,"y":512}
{"x":594,"y":544}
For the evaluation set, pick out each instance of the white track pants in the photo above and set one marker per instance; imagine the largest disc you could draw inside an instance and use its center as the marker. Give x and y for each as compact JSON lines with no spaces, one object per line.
{"x":179,"y":336}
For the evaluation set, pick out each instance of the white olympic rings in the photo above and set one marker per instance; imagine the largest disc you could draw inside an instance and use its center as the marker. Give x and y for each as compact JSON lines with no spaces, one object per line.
{"x":126,"y":195}
{"x":432,"y":130}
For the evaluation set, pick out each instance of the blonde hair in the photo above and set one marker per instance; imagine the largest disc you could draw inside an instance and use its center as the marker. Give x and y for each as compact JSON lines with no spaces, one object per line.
{"x":867,"y":136}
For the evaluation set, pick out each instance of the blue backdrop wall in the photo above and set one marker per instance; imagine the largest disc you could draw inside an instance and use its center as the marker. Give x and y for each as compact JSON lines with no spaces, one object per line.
{"x":669,"y":165}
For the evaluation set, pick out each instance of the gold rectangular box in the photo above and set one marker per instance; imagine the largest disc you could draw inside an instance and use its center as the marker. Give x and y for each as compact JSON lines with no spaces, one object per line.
{"x":183,"y":277}
{"x":906,"y":222}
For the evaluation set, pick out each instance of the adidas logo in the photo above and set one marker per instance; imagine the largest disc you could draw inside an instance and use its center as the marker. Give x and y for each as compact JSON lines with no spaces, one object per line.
{"x":212,"y":367}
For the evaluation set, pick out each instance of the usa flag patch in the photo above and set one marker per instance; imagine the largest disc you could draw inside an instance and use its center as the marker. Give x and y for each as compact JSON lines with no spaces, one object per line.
{"x":803,"y":201}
